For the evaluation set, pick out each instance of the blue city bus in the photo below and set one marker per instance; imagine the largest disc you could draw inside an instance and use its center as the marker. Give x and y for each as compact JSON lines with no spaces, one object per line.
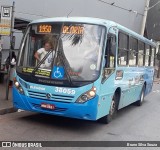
{"x":97,"y":67}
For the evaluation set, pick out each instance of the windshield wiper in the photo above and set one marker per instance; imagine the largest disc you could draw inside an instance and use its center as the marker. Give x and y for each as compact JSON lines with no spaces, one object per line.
{"x":41,"y":62}
{"x":61,"y":55}
{"x":62,"y":59}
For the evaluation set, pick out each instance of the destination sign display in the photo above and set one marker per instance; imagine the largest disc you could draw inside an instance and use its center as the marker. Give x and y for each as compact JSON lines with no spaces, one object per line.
{"x":44,"y":28}
{"x":66,"y":29}
{"x":75,"y":29}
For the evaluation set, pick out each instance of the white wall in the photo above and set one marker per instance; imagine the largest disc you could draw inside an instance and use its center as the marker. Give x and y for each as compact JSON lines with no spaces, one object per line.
{"x":36,"y":9}
{"x":6,"y":41}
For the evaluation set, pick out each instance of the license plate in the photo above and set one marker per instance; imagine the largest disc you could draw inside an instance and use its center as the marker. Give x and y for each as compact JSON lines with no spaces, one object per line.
{"x":47,"y":106}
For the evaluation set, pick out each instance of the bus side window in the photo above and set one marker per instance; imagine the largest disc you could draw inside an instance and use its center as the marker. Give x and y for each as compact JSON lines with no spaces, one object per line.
{"x":141,"y":55}
{"x":110,"y":51}
{"x":152,"y":56}
{"x":123,"y":46}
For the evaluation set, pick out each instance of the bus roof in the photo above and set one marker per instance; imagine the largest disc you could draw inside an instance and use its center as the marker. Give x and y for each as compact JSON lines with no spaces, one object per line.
{"x":74,"y":19}
{"x":97,"y":21}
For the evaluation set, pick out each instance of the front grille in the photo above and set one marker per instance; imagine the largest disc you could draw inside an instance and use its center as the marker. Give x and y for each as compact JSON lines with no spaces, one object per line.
{"x":37,"y":95}
{"x":61,"y":97}
{"x":54,"y":97}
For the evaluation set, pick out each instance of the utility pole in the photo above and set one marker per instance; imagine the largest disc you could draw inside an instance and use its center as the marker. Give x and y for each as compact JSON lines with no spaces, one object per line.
{"x":146,"y":8}
{"x":10,"y":50}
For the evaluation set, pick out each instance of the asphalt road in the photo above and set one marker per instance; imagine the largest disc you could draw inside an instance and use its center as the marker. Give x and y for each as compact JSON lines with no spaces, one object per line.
{"x":131,"y":124}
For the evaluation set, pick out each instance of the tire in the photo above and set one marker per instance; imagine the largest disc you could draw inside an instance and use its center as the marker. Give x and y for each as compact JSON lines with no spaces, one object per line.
{"x":140,"y":102}
{"x":112,"y":112}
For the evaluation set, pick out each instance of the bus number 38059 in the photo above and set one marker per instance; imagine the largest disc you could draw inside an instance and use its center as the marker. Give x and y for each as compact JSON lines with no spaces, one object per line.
{"x":65,"y":91}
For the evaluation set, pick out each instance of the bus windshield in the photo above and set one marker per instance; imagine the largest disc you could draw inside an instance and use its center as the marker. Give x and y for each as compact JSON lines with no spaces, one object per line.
{"x":74,"y":51}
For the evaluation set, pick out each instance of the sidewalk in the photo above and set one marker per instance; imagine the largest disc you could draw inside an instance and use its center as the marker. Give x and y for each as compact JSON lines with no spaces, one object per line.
{"x":6,"y":106}
{"x":157,"y":80}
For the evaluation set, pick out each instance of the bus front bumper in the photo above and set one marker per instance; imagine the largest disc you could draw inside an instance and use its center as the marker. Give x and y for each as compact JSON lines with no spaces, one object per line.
{"x":87,"y":110}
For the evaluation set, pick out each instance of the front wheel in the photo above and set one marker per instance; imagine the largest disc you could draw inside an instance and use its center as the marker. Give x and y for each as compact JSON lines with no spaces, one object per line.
{"x":112,"y":112}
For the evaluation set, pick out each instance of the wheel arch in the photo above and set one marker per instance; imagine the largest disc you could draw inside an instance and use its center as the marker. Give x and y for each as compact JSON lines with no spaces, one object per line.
{"x":117,"y":94}
{"x":144,"y":86}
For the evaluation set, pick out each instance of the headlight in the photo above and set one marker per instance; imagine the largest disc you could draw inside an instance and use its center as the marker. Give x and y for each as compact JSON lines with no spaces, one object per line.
{"x":18,"y":86}
{"x":87,"y":96}
{"x":92,"y":93}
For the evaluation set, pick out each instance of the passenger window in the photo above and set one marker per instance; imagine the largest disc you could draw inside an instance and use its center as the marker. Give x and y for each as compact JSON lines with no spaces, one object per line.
{"x":155,"y":57}
{"x":140,"y":53}
{"x":123,"y":49}
{"x":133,"y":51}
{"x":147,"y":54}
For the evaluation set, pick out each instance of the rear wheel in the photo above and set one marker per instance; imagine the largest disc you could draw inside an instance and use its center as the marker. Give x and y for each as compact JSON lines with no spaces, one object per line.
{"x":112,"y":112}
{"x":141,"y":100}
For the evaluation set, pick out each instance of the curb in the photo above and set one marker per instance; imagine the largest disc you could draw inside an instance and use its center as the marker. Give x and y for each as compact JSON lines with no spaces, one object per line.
{"x":157,"y":82}
{"x":7,"y":110}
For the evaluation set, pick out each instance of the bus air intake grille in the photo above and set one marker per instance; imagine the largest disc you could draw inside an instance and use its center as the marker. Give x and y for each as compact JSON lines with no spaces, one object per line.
{"x":57,"y":109}
{"x":54,"y":97}
{"x":62,"y":97}
{"x":38,"y":95}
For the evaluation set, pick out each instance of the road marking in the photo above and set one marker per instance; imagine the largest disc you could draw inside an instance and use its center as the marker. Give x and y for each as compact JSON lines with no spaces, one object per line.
{"x":20,"y":110}
{"x":157,"y":91}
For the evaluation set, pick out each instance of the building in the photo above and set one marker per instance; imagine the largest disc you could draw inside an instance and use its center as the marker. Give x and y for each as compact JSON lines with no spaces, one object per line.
{"x":127,"y":13}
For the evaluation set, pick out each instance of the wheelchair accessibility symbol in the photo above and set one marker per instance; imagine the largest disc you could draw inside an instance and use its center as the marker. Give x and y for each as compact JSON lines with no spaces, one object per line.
{"x":58,"y":72}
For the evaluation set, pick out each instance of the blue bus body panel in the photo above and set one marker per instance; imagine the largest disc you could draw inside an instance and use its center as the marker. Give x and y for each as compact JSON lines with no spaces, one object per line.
{"x":130,"y":85}
{"x":65,"y":105}
{"x":86,"y":111}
